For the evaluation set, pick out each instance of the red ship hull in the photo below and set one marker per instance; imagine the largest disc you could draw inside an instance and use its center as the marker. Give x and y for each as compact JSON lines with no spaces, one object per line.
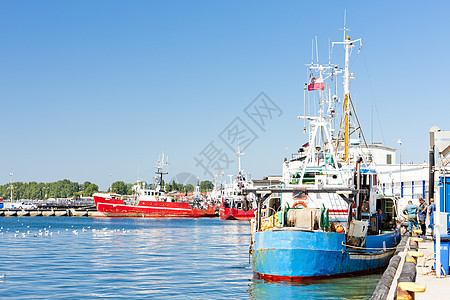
{"x":157,"y":209}
{"x":227,"y":213}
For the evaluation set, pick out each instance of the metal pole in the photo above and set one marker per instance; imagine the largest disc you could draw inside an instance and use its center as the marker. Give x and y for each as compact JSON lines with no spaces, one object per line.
{"x":350,"y":214}
{"x":258,"y":218}
{"x":401,"y":170}
{"x":399,"y":141}
{"x":11,"y":185}
{"x":431,"y":176}
{"x":444,"y":182}
{"x":437,"y":225}
{"x":358,"y":187}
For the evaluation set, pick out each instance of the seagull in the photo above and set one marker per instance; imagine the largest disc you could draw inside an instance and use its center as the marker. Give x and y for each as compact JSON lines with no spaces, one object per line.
{"x":3,"y":276}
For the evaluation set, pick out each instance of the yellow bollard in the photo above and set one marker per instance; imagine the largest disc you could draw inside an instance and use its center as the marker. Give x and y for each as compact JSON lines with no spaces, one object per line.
{"x":417,"y":231}
{"x":406,"y":290}
{"x":411,"y":256}
{"x":415,"y":241}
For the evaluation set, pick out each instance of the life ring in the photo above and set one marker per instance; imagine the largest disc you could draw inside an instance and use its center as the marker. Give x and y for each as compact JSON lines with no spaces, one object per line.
{"x":300,"y":202}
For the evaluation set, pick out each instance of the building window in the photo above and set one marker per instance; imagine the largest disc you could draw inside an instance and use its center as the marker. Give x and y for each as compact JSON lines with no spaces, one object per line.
{"x":389,"y":159}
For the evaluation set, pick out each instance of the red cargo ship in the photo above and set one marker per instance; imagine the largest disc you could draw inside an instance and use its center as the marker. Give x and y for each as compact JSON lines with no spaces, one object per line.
{"x":152,"y":203}
{"x":111,"y":205}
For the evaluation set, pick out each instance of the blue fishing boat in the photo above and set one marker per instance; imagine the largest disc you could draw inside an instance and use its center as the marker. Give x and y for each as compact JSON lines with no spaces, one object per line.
{"x":327,"y":218}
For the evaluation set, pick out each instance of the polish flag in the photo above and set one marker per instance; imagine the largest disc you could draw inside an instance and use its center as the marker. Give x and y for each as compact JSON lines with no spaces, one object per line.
{"x":316,"y":84}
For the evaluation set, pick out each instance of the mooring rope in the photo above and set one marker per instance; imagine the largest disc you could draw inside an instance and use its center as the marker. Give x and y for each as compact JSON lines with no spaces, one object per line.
{"x":364,"y":248}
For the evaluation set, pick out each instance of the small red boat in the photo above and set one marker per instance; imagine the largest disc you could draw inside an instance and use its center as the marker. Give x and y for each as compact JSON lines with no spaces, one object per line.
{"x":234,"y":205}
{"x":238,"y":213}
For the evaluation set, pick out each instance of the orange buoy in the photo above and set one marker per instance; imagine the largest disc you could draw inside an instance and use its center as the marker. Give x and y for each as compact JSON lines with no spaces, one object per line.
{"x":300,"y":202}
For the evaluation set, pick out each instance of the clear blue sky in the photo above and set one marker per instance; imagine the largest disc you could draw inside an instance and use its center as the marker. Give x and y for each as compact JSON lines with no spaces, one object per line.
{"x":92,"y":88}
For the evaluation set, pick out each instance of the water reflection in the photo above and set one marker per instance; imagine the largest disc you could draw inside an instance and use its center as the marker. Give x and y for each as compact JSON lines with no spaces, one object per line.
{"x":145,"y":258}
{"x":352,"y":287}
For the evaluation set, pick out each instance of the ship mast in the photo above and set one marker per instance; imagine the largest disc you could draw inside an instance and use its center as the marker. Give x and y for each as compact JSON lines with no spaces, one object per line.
{"x":239,"y":154}
{"x":160,"y":172}
{"x":346,"y":102}
{"x":347,"y":76}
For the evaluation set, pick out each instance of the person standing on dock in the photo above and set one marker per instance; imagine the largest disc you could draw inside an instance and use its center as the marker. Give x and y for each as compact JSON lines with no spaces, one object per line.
{"x":422,"y":216}
{"x":411,"y":210}
{"x":431,"y":210}
{"x":379,"y":221}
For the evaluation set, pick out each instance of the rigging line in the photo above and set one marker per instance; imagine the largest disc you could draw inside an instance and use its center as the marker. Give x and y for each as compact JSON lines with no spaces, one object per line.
{"x":354,"y":60}
{"x":340,"y":129}
{"x":357,"y":120}
{"x":373,"y":96}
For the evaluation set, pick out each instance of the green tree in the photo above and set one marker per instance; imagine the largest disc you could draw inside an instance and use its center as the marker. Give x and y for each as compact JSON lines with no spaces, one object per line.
{"x":119,"y":187}
{"x":90,"y":190}
{"x":189,"y":188}
{"x":85,"y":185}
{"x":206,"y":186}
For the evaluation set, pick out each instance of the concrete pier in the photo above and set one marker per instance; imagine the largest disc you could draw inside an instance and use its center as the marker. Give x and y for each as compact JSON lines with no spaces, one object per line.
{"x":23,"y":213}
{"x":50,"y":212}
{"x":35,"y":213}
{"x":61,"y":213}
{"x":79,"y":213}
{"x":10,"y":213}
{"x":437,"y":288}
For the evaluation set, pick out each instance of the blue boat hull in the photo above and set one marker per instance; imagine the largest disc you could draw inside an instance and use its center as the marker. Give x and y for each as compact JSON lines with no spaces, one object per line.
{"x":298,"y":255}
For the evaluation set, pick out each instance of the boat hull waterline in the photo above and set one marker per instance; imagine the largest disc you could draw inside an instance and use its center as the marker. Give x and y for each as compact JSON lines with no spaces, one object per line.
{"x":303,"y":255}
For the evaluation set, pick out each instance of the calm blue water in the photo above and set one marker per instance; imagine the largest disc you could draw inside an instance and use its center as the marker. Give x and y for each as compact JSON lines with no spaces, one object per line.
{"x":144,"y":258}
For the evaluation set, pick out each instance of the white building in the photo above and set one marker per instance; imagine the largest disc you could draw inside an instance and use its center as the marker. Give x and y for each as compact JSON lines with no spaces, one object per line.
{"x":406,"y":181}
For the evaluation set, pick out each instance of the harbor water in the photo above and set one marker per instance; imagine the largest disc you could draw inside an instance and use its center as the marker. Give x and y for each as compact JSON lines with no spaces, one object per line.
{"x":91,"y":258}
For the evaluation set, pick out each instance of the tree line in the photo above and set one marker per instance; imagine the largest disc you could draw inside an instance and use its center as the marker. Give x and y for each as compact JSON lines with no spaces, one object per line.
{"x":40,"y":190}
{"x":68,"y":189}
{"x":205,"y":186}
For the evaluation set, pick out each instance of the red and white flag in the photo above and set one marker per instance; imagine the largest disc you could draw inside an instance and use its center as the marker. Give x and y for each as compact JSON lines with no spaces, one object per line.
{"x":316,"y":84}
